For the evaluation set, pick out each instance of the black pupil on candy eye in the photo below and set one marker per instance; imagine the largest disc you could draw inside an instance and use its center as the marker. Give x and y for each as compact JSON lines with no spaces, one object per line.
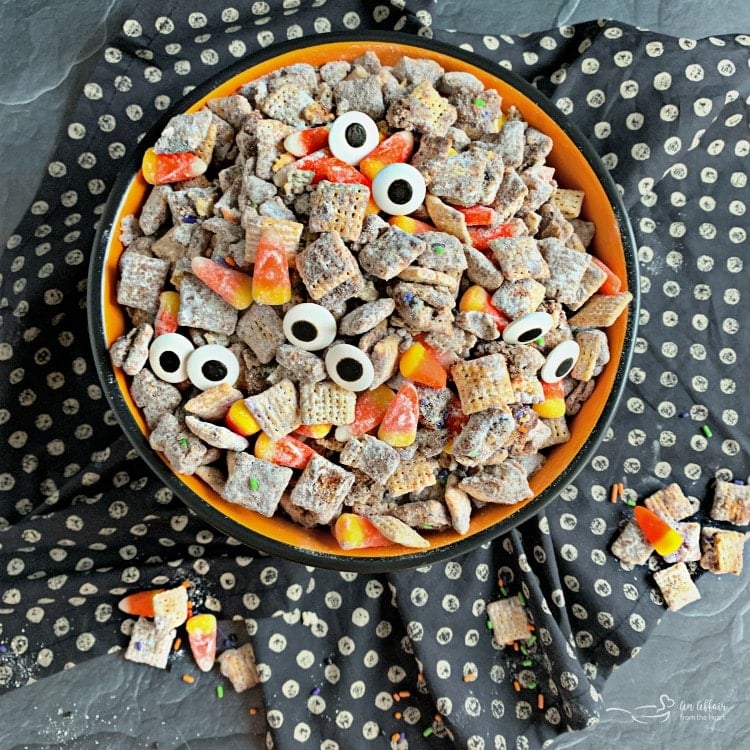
{"x":564,"y":367}
{"x":349,"y":369}
{"x":355,"y":135}
{"x":169,"y":362}
{"x":530,"y":335}
{"x":399,"y":192}
{"x":304,"y":330}
{"x":214,"y":370}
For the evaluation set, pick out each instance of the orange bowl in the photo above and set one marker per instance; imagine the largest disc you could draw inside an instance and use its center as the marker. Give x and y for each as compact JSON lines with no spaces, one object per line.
{"x":576,"y":166}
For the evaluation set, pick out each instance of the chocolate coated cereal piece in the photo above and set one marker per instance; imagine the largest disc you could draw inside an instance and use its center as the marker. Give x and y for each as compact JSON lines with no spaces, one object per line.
{"x":481,"y":270}
{"x":322,"y":488}
{"x":519,"y":258}
{"x":202,"y":308}
{"x":213,"y":403}
{"x":141,"y":281}
{"x":690,"y":550}
{"x":373,"y":457}
{"x":676,"y":586}
{"x":412,"y":475}
{"x":509,"y":621}
{"x":631,"y":547}
{"x":238,"y":666}
{"x":155,"y":210}
{"x":360,"y":94}
{"x":458,"y":504}
{"x":506,"y":484}
{"x":261,"y":328}
{"x":428,"y":515}
{"x":731,"y":502}
{"x":131,"y":350}
{"x":337,"y":207}
{"x":303,"y":366}
{"x":154,"y":396}
{"x":148,"y":645}
{"x":511,"y":195}
{"x":325,"y":264}
{"x":722,"y":550}
{"x":390,"y":253}
{"x":593,"y":278}
{"x":484,"y":434}
{"x":517,"y":298}
{"x":422,"y":110}
{"x":481,"y":324}
{"x":183,"y":451}
{"x":365,"y":317}
{"x":254,"y":483}
{"x":216,"y":435}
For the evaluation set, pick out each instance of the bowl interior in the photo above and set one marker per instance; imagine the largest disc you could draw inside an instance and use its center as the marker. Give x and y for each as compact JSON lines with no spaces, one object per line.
{"x":576,"y":166}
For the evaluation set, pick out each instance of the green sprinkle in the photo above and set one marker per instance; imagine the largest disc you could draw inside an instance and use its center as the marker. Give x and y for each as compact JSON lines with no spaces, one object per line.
{"x":540,"y":341}
{"x":253,"y":483}
{"x":473,"y":454}
{"x":531,"y":685}
{"x":479,"y":102}
{"x":219,"y":691}
{"x":524,"y":650}
{"x":527,"y":662}
{"x":503,"y":591}
{"x":631,"y":502}
{"x":439,"y":249}
{"x":427,"y":527}
{"x":427,"y":732}
{"x":522,"y":599}
{"x":707,"y":431}
{"x":531,"y":640}
{"x":489,"y":625}
{"x":183,"y":442}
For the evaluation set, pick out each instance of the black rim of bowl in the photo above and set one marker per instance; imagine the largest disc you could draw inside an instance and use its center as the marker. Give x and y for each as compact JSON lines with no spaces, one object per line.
{"x":246,"y":535}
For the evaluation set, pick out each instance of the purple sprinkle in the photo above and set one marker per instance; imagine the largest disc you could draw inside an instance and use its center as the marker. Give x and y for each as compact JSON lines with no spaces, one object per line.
{"x":441,"y":424}
{"x":3,"y":649}
{"x":685,"y":415}
{"x":315,"y":691}
{"x":227,"y":642}
{"x":738,"y":481}
{"x":138,"y":646}
{"x":189,"y":220}
{"x":408,"y":297}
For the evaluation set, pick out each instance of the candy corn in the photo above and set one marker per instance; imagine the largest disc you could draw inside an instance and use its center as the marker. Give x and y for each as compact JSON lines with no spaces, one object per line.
{"x":399,"y":425}
{"x":235,"y":287}
{"x":304,"y":142}
{"x":271,"y":282}
{"x":166,"y":316}
{"x":612,"y":283}
{"x":665,"y":539}
{"x":478,"y":298}
{"x":480,"y":236}
{"x":287,"y":451}
{"x":368,"y":413}
{"x":357,"y":532}
{"x":201,"y":630}
{"x":396,"y":148}
{"x":140,"y":604}
{"x":420,"y":365}
{"x":553,"y":405}
{"x":314,"y":430}
{"x":240,"y":420}
{"x":478,"y":215}
{"x":160,"y":169}
{"x":325,"y":166}
{"x":410,"y":225}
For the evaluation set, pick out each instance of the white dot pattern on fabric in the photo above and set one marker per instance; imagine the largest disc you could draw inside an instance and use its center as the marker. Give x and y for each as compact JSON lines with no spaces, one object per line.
{"x":359,"y":647}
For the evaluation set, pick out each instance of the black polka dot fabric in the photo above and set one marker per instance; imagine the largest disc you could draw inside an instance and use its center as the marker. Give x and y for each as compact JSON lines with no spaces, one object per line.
{"x":406,"y":659}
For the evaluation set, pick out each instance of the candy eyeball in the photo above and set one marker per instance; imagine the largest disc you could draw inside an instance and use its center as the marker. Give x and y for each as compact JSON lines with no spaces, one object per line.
{"x":399,"y":189}
{"x":168,"y":356}
{"x":560,"y":361}
{"x":352,"y":136}
{"x":527,"y":328}
{"x":349,"y":367}
{"x":309,"y":326}
{"x":212,"y":365}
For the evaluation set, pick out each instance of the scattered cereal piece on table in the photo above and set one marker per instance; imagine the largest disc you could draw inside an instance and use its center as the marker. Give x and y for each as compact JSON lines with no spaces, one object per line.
{"x":676,"y":586}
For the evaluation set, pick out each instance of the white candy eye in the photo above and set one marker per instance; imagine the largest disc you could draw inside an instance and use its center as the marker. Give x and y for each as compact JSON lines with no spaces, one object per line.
{"x":560,"y":361}
{"x":211,"y":365}
{"x":349,"y":367}
{"x":398,"y":189}
{"x":352,"y":136}
{"x":309,"y":326}
{"x":168,"y":357}
{"x":527,"y":328}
